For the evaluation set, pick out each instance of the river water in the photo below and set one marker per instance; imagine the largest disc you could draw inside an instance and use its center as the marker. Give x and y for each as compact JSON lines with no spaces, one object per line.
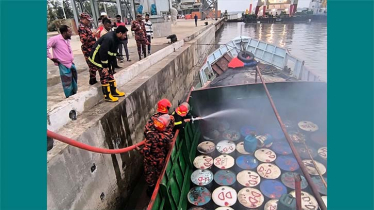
{"x":307,"y":41}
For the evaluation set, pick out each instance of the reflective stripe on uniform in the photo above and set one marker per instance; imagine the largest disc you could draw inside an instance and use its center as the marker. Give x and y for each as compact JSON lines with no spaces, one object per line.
{"x":94,"y":55}
{"x":178,"y":123}
{"x":104,"y":61}
{"x":112,"y":54}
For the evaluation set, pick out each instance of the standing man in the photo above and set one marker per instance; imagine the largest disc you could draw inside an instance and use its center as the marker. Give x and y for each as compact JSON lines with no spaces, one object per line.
{"x":102,"y":56}
{"x":88,"y":40}
{"x":140,"y":35}
{"x":124,"y":42}
{"x":63,"y":57}
{"x":195,"y":20}
{"x":105,"y":28}
{"x":149,"y":30}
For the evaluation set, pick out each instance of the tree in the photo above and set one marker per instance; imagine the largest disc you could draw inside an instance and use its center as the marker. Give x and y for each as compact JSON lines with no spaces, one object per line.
{"x":68,"y":9}
{"x":50,"y":11}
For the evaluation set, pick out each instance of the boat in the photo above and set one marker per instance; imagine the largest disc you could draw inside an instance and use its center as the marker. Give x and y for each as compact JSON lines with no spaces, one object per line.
{"x":277,"y":95}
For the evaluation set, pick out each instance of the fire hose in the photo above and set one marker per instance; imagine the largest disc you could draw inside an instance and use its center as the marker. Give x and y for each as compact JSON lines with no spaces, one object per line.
{"x":91,"y":148}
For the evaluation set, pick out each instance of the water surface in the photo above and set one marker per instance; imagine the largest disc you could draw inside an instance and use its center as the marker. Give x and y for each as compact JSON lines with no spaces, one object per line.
{"x":307,"y":41}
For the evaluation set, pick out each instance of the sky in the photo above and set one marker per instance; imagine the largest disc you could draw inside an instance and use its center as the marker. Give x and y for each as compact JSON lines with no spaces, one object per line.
{"x":241,"y":5}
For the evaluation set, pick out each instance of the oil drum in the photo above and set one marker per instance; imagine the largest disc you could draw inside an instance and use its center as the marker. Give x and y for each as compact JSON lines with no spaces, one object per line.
{"x":268,"y":171}
{"x":206,"y":148}
{"x":224,"y":162}
{"x":248,"y":178}
{"x":225,"y":177}
{"x":199,"y":196}
{"x":246,"y":162}
{"x":273,"y":189}
{"x":224,"y":196}
{"x":203,"y":162}
{"x":265,"y":155}
{"x":287,"y":163}
{"x":202,"y":177}
{"x":240,"y":149}
{"x":288,"y":179}
{"x":250,"y":197}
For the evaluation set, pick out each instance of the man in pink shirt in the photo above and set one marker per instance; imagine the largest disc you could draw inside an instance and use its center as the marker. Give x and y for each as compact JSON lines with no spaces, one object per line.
{"x":63,"y":57}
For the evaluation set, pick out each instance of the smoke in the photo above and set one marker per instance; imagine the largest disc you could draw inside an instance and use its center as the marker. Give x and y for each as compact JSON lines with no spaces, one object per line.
{"x":248,"y":105}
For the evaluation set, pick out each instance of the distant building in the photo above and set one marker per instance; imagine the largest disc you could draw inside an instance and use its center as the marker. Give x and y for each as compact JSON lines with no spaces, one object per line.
{"x":318,"y":6}
{"x":274,"y":7}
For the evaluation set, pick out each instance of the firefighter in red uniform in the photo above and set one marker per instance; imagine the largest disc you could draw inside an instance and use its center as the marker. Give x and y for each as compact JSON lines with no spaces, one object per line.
{"x":158,"y":142}
{"x":159,"y":134}
{"x":163,"y":107}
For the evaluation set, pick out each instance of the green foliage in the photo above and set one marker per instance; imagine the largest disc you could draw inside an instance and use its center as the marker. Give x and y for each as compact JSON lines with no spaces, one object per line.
{"x":68,"y":9}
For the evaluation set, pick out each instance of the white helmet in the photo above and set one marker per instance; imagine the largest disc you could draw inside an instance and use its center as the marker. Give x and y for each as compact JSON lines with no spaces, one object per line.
{"x":103,"y":14}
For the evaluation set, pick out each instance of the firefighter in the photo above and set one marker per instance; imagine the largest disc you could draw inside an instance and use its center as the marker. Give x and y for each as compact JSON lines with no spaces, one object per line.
{"x":163,"y":107}
{"x":181,"y":116}
{"x":102,"y":56}
{"x":138,"y":27}
{"x":157,"y":144}
{"x":88,"y":40}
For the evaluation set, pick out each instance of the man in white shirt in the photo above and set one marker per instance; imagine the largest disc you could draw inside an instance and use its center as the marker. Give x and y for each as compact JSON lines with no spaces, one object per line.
{"x":149,"y":29}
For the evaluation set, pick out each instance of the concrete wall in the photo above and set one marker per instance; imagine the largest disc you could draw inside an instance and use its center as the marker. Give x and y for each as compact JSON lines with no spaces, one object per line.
{"x":78,"y":179}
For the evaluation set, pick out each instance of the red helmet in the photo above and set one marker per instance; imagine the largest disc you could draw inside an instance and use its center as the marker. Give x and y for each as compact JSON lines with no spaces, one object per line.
{"x":163,"y":106}
{"x":162,"y":122}
{"x":182,"y":109}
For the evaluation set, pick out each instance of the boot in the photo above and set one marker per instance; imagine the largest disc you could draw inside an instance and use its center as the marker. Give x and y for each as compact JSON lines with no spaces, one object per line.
{"x":145,"y":55}
{"x":92,"y":81}
{"x":107,"y":95}
{"x":113,"y":89}
{"x":140,"y":57}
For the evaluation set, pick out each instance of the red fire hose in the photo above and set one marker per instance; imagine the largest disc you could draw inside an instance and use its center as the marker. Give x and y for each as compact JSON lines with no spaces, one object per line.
{"x":91,"y":148}
{"x":87,"y":147}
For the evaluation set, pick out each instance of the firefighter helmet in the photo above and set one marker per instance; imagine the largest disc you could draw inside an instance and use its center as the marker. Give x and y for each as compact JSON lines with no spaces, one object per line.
{"x":162,"y":122}
{"x":163,"y":106}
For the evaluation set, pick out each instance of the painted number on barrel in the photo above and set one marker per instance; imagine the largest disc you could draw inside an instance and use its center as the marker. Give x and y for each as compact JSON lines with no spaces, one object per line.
{"x":268,"y":170}
{"x":265,"y":155}
{"x":250,"y":198}
{"x":225,"y":196}
{"x":208,"y":162}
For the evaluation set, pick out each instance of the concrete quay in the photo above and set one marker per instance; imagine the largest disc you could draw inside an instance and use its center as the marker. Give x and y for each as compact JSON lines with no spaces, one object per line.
{"x":87,"y":95}
{"x":78,"y":179}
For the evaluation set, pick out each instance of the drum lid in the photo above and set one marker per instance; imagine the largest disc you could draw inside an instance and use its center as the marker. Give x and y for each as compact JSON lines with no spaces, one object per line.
{"x":246,"y":162}
{"x":250,"y":197}
{"x":199,"y":196}
{"x":248,"y":178}
{"x":265,"y":155}
{"x":224,"y":161}
{"x":273,"y":189}
{"x":307,"y":200}
{"x":206,"y":147}
{"x":287,"y":163}
{"x":203,"y":162}
{"x":312,"y":170}
{"x":202,"y":177}
{"x":224,"y":196}
{"x":225,"y":177}
{"x":226,"y":147}
{"x":288,"y":179}
{"x":268,"y":171}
